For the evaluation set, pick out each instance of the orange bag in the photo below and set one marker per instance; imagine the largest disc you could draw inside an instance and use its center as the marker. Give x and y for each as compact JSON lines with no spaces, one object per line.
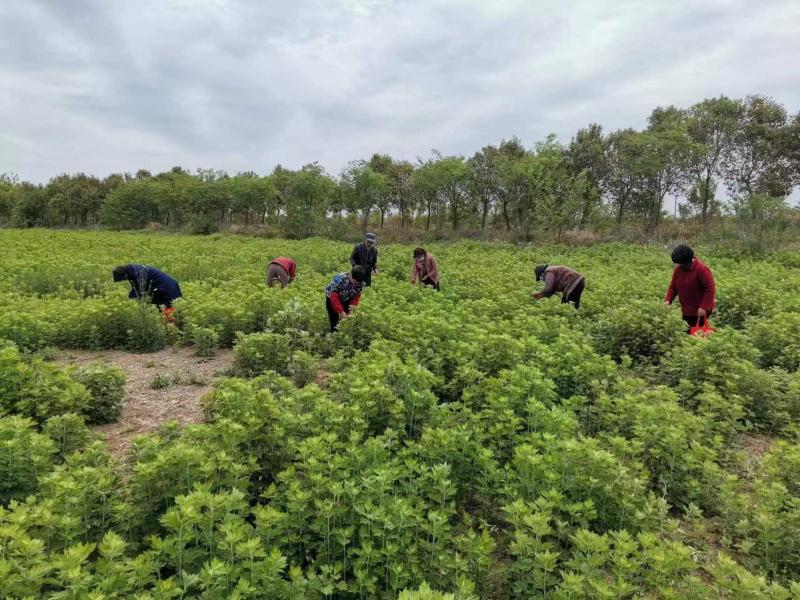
{"x":703,"y":331}
{"x":169,"y":315}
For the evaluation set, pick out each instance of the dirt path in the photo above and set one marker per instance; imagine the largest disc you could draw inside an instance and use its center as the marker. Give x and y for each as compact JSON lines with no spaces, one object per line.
{"x":186,"y":378}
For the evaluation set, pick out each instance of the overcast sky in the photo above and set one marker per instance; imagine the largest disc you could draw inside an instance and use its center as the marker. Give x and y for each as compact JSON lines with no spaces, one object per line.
{"x":110,"y":85}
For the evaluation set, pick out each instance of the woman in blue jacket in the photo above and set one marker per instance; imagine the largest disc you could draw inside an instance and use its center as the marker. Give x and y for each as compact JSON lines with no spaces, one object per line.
{"x":149,"y":282}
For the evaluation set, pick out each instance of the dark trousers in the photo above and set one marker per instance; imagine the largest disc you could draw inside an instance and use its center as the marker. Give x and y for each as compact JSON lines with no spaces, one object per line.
{"x":426,"y":281}
{"x":275,"y":272}
{"x":575,"y":295}
{"x":333,"y":316}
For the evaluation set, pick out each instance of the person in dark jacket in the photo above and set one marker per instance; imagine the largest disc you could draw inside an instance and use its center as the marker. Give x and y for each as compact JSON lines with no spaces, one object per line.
{"x":282,"y":269}
{"x":557,"y":279}
{"x":693,"y":283}
{"x":342,"y":294}
{"x":149,"y":282}
{"x":365,"y":255}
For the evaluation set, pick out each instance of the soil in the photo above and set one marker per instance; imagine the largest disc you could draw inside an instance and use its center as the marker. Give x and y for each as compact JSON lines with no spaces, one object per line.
{"x":755,"y":445}
{"x":323,"y":375}
{"x":187,"y":379}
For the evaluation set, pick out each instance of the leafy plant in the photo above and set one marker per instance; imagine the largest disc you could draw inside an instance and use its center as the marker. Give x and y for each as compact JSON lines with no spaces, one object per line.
{"x":107,"y":388}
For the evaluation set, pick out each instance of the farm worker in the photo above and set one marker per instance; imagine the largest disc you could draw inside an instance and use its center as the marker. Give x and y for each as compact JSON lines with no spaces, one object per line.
{"x":561,"y":279}
{"x":282,"y":269}
{"x":692,"y":282}
{"x":342,"y":294}
{"x":425,"y":269}
{"x":149,"y":282}
{"x":365,"y":255}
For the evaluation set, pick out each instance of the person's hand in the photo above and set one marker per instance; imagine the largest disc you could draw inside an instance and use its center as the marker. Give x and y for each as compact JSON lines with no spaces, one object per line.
{"x":667,"y":304}
{"x":536,"y":295}
{"x":701,"y":313}
{"x":343,"y":315}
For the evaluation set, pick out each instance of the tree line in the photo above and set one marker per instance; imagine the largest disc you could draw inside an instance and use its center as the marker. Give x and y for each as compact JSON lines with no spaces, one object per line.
{"x":750,"y":148}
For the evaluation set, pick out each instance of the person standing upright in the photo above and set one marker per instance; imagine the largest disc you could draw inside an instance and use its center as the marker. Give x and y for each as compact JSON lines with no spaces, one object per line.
{"x":693,"y":283}
{"x":365,"y":255}
{"x":282,"y":269}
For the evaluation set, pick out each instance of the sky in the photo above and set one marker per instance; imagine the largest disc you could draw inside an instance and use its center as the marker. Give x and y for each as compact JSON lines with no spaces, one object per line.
{"x":115,"y":85}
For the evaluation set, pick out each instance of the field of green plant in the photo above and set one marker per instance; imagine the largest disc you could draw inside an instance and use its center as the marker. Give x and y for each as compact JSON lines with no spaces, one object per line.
{"x":465,"y":444}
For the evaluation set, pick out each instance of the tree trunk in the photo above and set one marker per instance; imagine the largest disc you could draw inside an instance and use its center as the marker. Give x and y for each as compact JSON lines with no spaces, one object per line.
{"x":706,"y":200}
{"x":483,"y":216}
{"x":620,"y":210}
{"x":383,"y":214}
{"x":505,"y":215}
{"x":428,"y":220}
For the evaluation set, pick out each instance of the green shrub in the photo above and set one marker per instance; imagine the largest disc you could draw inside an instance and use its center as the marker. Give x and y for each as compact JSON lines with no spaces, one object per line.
{"x":146,"y":332}
{"x":161,"y":381}
{"x":256,"y":353}
{"x":25,"y":455}
{"x":302,"y":368}
{"x":642,"y":330}
{"x":38,"y":390}
{"x":205,"y":341}
{"x":107,"y":388}
{"x":68,"y":431}
{"x":778,"y":340}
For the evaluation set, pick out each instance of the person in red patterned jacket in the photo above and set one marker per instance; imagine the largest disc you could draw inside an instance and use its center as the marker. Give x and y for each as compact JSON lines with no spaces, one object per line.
{"x":343,"y":293}
{"x":425,"y":269}
{"x":692,"y":282}
{"x":560,"y":279}
{"x":282,"y":269}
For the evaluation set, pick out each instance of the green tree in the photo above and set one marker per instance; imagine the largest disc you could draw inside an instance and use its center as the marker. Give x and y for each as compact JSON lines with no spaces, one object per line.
{"x":132,"y":206}
{"x":587,"y":155}
{"x":308,"y":196}
{"x":484,"y":180}
{"x":363,"y":189}
{"x":511,"y":179}
{"x":759,"y":158}
{"x":712,"y":124}
{"x":622,"y":177}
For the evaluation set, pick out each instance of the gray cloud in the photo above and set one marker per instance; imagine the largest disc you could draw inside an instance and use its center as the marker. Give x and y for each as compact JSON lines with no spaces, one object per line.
{"x":101,"y":87}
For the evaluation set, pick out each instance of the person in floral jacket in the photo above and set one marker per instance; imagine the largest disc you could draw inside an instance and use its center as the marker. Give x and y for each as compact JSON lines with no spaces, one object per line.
{"x":343,"y":293}
{"x":561,"y":279}
{"x":425,"y":269}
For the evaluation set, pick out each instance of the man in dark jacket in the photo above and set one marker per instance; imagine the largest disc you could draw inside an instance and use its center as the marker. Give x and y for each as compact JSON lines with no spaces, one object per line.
{"x":365,"y":254}
{"x":149,"y":282}
{"x":693,"y":283}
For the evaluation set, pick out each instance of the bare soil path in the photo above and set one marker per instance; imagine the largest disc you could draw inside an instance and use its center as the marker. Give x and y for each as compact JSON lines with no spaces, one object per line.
{"x":186,"y":378}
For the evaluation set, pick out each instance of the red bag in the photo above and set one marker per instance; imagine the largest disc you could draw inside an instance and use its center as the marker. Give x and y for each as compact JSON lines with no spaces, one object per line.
{"x":703,"y":331}
{"x":169,"y":315}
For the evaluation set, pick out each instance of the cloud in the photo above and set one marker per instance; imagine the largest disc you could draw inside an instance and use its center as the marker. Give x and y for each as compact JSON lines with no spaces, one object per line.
{"x":103,"y":87}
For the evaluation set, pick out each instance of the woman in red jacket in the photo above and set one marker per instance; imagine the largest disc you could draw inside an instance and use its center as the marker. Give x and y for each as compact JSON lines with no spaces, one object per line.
{"x":692,"y":282}
{"x":283,"y":270}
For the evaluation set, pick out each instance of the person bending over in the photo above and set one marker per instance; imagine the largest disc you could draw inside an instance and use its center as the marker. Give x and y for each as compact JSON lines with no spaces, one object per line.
{"x":283,"y":270}
{"x":148,"y":282}
{"x":425,"y":269}
{"x":561,"y":279}
{"x":342,"y":294}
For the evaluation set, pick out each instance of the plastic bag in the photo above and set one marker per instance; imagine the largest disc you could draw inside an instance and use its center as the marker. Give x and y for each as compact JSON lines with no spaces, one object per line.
{"x":702,"y":331}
